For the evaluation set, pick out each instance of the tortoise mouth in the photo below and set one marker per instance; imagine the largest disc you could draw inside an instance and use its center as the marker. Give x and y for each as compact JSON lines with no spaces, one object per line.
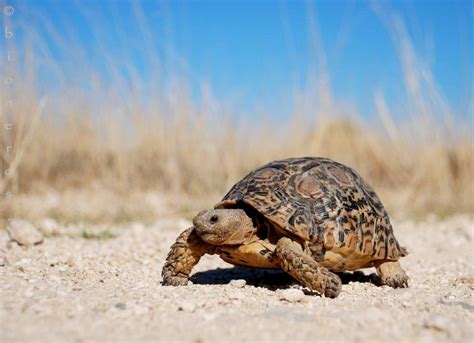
{"x":209,"y":236}
{"x":203,"y":230}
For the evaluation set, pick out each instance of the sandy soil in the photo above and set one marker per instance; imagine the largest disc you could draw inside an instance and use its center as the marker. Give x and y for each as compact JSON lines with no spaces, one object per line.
{"x":104,"y":284}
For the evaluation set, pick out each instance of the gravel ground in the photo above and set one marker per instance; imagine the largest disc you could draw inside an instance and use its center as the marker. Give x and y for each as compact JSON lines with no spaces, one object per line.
{"x":99,"y":283}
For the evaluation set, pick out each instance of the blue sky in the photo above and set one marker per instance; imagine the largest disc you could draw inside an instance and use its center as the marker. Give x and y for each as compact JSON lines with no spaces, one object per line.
{"x":256,"y":53}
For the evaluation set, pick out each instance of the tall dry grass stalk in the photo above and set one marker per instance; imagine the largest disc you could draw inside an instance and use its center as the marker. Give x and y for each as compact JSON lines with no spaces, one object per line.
{"x":113,"y":133}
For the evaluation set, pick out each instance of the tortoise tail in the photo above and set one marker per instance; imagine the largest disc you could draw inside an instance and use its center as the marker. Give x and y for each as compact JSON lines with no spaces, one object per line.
{"x":403,"y":251}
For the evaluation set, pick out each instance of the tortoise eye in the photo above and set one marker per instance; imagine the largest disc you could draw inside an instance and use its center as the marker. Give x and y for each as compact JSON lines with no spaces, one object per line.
{"x":214,"y":219}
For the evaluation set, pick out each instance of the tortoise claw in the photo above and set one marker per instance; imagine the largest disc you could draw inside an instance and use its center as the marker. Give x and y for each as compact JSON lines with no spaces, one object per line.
{"x":392,"y":274}
{"x":397,"y":281}
{"x":169,"y":280}
{"x":333,"y":287}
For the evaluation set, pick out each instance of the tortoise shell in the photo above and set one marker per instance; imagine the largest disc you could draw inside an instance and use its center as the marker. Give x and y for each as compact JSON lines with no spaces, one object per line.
{"x":320,"y":202}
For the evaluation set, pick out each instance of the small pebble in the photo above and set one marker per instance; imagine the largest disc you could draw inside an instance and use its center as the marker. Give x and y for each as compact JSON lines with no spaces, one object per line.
{"x":405,"y":304}
{"x":238,"y":283}
{"x":3,"y":261}
{"x":293,"y":295}
{"x":24,"y":262}
{"x":187,"y":306}
{"x":120,"y":306}
{"x":467,"y":280}
{"x":236,"y":296}
{"x":437,"y":323}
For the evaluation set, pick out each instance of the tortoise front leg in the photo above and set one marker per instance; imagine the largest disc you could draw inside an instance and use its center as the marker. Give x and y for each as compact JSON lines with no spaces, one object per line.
{"x":305,"y":269}
{"x":184,"y":255}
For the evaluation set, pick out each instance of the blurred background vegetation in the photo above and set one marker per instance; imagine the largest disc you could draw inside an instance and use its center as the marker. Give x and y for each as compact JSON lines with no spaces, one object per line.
{"x":110,"y":122}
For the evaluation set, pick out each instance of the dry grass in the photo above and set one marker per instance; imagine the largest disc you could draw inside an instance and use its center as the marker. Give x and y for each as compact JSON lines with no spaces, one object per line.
{"x":173,"y":144}
{"x":205,"y":159}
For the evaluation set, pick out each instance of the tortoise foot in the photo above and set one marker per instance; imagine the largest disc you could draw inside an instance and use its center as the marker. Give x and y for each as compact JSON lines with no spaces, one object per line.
{"x":333,"y":286}
{"x":392,"y":274}
{"x":169,"y":280}
{"x":306,"y":270}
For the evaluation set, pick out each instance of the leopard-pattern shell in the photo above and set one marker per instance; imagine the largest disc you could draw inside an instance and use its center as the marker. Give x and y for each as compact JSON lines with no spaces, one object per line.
{"x":321,"y":202}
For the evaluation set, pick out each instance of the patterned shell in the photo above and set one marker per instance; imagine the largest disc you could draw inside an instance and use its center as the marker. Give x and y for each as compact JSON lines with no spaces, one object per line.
{"x":319,"y":200}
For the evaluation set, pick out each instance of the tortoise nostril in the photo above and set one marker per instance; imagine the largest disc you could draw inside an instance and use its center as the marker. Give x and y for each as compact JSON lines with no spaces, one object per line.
{"x":214,"y":219}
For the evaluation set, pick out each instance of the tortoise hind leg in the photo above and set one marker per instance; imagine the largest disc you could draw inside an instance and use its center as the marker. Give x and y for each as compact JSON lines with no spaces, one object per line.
{"x":184,"y":255}
{"x":392,"y":274}
{"x":306,"y":270}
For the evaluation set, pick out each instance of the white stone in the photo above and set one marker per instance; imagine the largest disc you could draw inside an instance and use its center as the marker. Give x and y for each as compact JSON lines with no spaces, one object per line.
{"x":293,"y":295}
{"x":24,"y":233}
{"x":238,"y":283}
{"x":48,"y":227}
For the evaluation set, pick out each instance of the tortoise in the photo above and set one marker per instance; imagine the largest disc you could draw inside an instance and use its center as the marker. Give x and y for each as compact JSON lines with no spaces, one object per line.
{"x":311,"y":217}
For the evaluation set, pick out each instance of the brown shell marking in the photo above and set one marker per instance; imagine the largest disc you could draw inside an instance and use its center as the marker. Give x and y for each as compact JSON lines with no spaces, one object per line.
{"x":339,"y":175}
{"x":308,"y":185}
{"x":265,"y":174}
{"x":322,"y":202}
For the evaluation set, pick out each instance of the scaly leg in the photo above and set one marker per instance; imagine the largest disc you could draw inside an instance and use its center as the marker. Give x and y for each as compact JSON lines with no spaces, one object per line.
{"x":306,"y":270}
{"x":392,"y":274}
{"x":184,"y":255}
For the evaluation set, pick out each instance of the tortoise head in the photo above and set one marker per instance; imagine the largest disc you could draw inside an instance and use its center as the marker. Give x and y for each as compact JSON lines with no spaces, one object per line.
{"x":224,"y":226}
